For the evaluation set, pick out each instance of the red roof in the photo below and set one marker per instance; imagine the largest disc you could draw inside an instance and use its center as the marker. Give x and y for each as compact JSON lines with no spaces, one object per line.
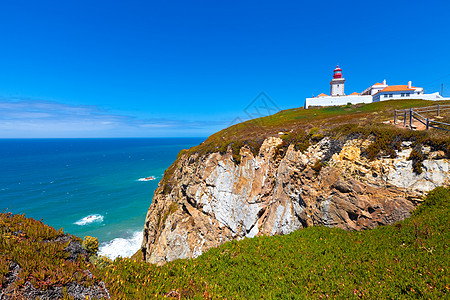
{"x":321,"y":95}
{"x":397,"y":88}
{"x":354,"y":93}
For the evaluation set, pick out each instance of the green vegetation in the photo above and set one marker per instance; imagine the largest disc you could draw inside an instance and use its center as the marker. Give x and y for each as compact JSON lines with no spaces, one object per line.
{"x":417,"y":157}
{"x":407,"y":260}
{"x":100,"y":261}
{"x":387,"y":138}
{"x":39,"y":251}
{"x":300,"y":140}
{"x":315,"y":135}
{"x":90,"y":244}
{"x":303,"y":120}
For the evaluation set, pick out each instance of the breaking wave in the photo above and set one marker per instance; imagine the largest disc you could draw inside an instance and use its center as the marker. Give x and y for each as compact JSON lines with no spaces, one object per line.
{"x":150,"y":178}
{"x":90,"y":219}
{"x":122,"y":247}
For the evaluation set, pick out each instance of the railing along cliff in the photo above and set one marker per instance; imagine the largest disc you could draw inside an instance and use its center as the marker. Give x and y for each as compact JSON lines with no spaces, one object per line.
{"x":412,"y":114}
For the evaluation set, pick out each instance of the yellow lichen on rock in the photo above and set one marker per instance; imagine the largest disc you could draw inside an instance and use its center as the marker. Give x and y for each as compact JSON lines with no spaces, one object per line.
{"x":270,"y":144}
{"x":349,"y":153}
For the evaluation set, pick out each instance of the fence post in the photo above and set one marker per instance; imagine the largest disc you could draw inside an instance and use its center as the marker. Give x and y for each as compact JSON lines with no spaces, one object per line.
{"x":438,"y":110}
{"x":395,"y":116}
{"x":428,"y":123}
{"x":410,"y":117}
{"x":404,"y":118}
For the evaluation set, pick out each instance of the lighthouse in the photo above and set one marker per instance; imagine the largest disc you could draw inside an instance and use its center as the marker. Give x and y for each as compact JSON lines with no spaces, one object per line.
{"x":337,"y":83}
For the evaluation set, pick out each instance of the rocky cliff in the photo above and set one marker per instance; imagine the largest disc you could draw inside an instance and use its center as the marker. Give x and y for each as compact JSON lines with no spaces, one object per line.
{"x":213,"y":199}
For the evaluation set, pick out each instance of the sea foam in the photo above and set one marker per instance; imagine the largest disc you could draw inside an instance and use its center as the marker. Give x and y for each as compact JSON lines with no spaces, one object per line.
{"x":122,"y":247}
{"x":150,"y":178}
{"x":90,"y":219}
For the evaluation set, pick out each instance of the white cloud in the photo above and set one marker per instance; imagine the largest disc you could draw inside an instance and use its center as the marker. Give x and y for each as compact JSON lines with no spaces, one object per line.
{"x":25,"y":118}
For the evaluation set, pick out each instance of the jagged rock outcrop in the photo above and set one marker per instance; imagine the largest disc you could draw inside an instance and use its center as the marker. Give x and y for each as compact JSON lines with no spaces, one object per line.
{"x":213,"y":200}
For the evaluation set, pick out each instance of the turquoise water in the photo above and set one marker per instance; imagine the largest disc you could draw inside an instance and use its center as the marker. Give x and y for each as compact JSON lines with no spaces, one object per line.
{"x":87,"y":186}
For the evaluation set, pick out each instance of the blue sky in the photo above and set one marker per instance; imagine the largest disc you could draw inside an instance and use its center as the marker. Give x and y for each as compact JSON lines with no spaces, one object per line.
{"x":190,"y":68}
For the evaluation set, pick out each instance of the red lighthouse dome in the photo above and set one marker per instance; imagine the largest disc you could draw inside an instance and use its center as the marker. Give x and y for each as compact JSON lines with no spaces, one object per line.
{"x":337,"y":72}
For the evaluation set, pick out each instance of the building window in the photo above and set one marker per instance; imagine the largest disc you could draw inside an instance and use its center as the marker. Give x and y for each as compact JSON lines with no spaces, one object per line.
{"x":390,"y":95}
{"x":385,"y":96}
{"x":407,"y":94}
{"x":402,"y":95}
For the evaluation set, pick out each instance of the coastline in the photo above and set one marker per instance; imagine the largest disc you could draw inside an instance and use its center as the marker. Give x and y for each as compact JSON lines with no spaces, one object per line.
{"x":64,"y":181}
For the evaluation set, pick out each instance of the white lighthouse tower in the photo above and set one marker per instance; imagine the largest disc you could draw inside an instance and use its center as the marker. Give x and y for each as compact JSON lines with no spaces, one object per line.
{"x":337,"y":83}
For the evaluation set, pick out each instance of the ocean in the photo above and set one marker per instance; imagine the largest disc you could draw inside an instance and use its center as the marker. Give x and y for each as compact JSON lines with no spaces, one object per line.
{"x":87,"y":186}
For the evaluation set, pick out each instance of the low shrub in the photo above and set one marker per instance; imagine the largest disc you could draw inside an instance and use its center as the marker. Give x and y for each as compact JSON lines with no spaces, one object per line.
{"x":100,"y":261}
{"x":90,"y":244}
{"x":417,"y":161}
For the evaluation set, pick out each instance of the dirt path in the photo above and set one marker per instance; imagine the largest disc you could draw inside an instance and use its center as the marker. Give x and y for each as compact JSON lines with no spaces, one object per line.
{"x":416,"y":125}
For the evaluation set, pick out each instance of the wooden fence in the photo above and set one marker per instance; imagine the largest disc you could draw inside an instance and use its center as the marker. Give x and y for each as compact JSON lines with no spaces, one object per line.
{"x":411,"y":114}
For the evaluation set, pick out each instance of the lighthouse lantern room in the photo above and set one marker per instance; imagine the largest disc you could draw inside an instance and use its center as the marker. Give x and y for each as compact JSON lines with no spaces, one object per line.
{"x":337,"y":83}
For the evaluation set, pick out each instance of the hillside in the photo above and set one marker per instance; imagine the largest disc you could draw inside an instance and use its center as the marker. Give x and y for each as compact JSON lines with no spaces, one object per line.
{"x":347,"y":167}
{"x":407,"y":260}
{"x":300,"y":120}
{"x":297,"y":123}
{"x":354,"y":184}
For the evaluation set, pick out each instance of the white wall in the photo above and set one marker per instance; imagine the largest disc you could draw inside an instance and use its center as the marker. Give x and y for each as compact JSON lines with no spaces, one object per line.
{"x":397,"y":95}
{"x":434,"y":96}
{"x":340,"y":100}
{"x":343,"y":100}
{"x":376,"y":90}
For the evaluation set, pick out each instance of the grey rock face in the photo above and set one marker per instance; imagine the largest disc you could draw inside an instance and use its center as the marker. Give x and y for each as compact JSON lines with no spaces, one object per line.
{"x":217,"y":200}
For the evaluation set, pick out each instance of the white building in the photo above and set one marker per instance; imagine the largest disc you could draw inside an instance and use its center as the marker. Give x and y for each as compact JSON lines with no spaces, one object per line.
{"x":372,"y":90}
{"x":404,"y":92}
{"x":374,"y":93}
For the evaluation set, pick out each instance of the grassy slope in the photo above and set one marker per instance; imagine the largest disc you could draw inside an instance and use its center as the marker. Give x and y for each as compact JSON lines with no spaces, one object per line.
{"x":299,"y":119}
{"x":37,"y":249}
{"x":406,"y":260}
